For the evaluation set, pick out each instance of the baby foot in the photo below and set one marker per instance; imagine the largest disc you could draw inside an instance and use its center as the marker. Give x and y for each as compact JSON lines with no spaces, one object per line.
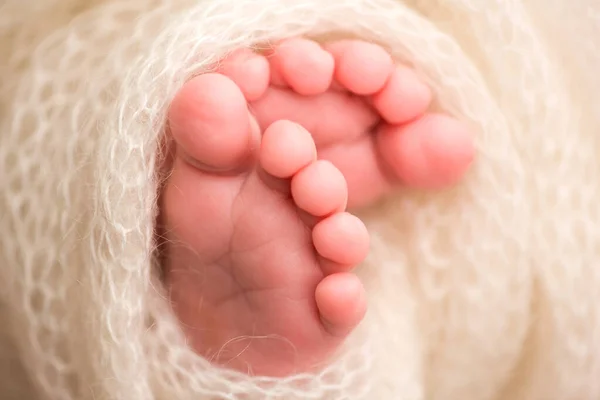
{"x":260,"y":246}
{"x":367,"y":116}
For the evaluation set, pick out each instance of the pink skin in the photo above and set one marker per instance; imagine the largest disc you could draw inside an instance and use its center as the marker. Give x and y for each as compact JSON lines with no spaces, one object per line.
{"x":269,"y":153}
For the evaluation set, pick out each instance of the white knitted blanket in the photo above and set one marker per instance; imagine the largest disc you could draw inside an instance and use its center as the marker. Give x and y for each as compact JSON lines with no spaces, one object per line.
{"x":490,"y":291}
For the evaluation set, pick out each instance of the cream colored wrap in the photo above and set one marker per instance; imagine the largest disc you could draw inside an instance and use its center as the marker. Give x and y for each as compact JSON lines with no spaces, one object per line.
{"x":490,"y":291}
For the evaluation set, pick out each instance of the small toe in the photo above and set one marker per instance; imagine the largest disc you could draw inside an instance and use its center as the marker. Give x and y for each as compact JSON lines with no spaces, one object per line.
{"x":250,"y":71}
{"x":403,"y":98}
{"x":432,"y":152}
{"x":362,"y":68}
{"x":341,"y":301}
{"x":303,"y":65}
{"x":341,"y":238}
{"x":286,"y":148}
{"x":320,"y":189}
{"x":209,"y":121}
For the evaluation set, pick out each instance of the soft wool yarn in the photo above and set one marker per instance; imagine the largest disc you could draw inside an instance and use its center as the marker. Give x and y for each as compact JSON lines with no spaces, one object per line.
{"x":489,"y":291}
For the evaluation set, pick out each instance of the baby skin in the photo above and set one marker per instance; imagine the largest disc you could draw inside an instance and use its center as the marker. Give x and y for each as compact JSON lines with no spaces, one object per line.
{"x":268,"y":154}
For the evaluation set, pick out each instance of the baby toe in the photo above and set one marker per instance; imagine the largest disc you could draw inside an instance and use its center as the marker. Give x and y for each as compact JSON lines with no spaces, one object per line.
{"x":249,"y":71}
{"x":286,"y":148}
{"x":342,"y":304}
{"x":341,"y":238}
{"x":362,"y":68}
{"x":320,"y":189}
{"x":403,"y":98}
{"x":303,"y":65}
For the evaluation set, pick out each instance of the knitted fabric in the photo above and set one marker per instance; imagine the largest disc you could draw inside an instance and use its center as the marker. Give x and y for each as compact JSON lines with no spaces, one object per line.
{"x":488,"y":291}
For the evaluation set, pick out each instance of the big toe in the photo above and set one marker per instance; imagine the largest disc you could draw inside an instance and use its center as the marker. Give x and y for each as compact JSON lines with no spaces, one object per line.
{"x":434,"y":151}
{"x":210,"y":123}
